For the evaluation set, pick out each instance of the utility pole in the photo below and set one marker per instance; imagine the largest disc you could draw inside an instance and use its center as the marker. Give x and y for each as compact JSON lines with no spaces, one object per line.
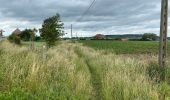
{"x":71,"y":31}
{"x":76,"y":36}
{"x":163,"y":34}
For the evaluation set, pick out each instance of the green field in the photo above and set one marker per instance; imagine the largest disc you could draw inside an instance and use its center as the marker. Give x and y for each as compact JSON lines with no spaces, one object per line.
{"x":126,"y":47}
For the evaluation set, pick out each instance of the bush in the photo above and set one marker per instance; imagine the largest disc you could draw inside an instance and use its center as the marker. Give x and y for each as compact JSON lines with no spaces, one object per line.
{"x":38,"y":38}
{"x":118,"y":39}
{"x":14,"y":39}
{"x":135,"y":40}
{"x":28,"y":34}
{"x":149,"y":37}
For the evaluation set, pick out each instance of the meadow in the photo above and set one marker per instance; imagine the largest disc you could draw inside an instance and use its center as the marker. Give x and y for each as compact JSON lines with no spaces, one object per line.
{"x":125,"y":47}
{"x":72,"y":71}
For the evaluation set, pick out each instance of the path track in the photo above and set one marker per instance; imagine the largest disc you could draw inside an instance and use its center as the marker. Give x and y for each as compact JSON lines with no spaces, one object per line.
{"x":95,"y":75}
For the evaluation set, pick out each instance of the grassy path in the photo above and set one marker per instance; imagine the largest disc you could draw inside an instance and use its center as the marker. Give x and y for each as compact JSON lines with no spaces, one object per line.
{"x":117,"y":79}
{"x":95,"y":76}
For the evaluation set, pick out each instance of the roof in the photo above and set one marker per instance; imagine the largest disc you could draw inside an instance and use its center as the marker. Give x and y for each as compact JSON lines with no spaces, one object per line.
{"x":99,"y":35}
{"x":17,"y":32}
{"x":1,"y":33}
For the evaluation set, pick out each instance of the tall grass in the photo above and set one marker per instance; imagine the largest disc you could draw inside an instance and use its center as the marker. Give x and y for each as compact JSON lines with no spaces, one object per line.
{"x":25,"y":75}
{"x":74,"y":72}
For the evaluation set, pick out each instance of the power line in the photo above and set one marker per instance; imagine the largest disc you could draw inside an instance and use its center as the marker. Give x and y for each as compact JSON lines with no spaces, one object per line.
{"x":86,"y":11}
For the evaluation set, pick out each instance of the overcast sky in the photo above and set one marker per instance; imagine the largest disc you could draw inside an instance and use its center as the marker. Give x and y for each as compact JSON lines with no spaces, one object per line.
{"x":105,"y":17}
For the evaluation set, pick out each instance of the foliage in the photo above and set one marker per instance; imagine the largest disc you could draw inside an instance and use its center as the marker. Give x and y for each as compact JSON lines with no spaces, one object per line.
{"x":127,"y":47}
{"x":13,"y":38}
{"x":168,"y":38}
{"x":119,"y":39}
{"x":149,"y":37}
{"x":28,"y":34}
{"x":38,"y":38}
{"x":134,"y":39}
{"x":52,"y":30}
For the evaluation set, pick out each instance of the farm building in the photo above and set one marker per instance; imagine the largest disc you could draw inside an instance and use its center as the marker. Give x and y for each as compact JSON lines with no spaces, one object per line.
{"x":124,"y":39}
{"x":1,"y":33}
{"x":99,"y":37}
{"x":17,"y":32}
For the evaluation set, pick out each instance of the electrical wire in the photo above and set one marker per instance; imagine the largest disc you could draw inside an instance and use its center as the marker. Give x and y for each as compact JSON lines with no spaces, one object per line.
{"x":82,"y":16}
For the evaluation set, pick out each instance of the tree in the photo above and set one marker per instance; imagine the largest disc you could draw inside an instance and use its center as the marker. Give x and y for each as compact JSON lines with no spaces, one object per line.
{"x":52,"y":30}
{"x":32,"y":34}
{"x":32,"y":37}
{"x":28,"y":34}
{"x":149,"y":37}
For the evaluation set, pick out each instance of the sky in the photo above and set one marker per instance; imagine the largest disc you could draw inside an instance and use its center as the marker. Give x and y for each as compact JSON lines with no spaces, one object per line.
{"x":108,"y":17}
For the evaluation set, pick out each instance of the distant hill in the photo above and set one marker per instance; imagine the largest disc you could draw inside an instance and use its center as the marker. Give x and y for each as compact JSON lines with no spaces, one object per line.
{"x":110,"y":37}
{"x":129,"y":36}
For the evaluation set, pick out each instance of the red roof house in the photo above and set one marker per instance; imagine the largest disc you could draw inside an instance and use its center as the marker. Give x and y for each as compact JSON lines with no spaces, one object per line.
{"x":99,"y":37}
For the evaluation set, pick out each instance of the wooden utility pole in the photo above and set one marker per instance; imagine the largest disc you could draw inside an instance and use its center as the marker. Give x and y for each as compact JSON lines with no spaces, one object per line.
{"x":163,"y":33}
{"x":71,"y":31}
{"x":76,"y":36}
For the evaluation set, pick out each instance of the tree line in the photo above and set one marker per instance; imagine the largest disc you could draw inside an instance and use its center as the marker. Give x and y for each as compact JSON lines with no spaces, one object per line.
{"x":52,"y":29}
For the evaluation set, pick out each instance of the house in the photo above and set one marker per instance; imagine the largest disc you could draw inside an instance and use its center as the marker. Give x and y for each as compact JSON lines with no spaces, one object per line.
{"x":124,"y":39}
{"x":99,"y":37}
{"x":1,"y":33}
{"x":17,"y":32}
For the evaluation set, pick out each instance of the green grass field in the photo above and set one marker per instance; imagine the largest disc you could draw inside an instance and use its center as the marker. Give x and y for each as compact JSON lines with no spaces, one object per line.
{"x":127,"y":47}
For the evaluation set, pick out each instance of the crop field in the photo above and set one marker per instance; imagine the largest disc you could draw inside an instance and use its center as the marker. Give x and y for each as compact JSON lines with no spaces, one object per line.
{"x":72,"y":71}
{"x":126,"y":47}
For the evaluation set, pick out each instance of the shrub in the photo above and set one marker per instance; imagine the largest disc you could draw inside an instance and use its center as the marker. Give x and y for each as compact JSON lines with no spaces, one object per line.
{"x":38,"y":38}
{"x":118,"y":39}
{"x":28,"y":34}
{"x":14,"y":39}
{"x":149,"y":37}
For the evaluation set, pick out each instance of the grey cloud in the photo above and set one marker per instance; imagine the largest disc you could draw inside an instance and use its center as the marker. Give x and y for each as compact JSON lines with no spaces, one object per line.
{"x":105,"y":15}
